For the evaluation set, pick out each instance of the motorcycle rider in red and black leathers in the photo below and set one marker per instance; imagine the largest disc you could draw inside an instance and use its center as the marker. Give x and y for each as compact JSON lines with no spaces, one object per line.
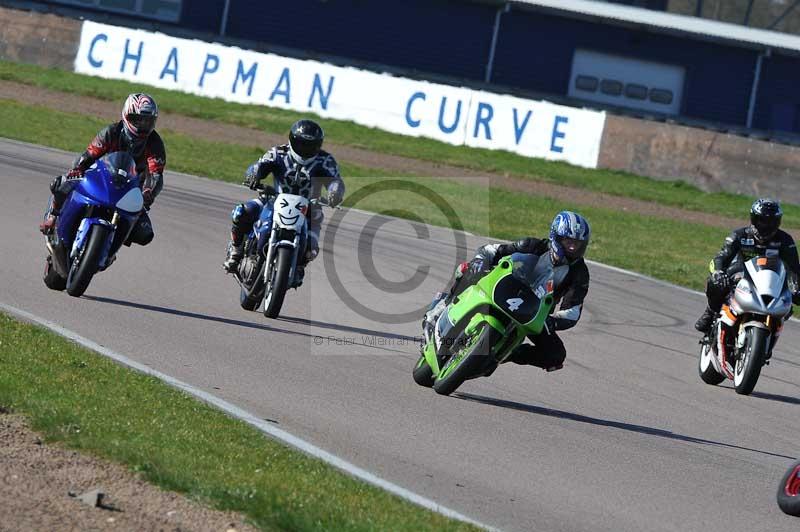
{"x":569,"y":237}
{"x":762,"y":238}
{"x":300,"y":167}
{"x":136,"y":134}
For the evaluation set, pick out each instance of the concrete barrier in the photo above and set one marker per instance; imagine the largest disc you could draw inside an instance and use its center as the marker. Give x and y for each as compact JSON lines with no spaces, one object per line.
{"x":713,"y":161}
{"x":38,"y":38}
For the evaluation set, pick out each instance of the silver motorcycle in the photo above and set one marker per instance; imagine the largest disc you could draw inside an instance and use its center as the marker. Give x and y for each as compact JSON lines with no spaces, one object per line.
{"x":748,"y":326}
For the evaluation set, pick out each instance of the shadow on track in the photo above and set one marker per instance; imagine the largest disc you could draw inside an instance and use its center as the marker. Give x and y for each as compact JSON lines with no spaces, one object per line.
{"x":347,"y":328}
{"x":775,"y":397}
{"x":639,"y":429}
{"x":227,"y":321}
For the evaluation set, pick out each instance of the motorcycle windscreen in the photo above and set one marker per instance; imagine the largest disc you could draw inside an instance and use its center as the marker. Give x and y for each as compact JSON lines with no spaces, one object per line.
{"x":110,"y":178}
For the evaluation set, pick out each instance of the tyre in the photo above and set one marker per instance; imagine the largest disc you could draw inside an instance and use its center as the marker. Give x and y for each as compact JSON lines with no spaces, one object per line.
{"x":247,"y":302}
{"x":51,"y":277}
{"x":706,"y":369}
{"x":279,"y":283}
{"x":423,"y":374}
{"x":85,"y":266}
{"x":789,"y":491}
{"x":468,"y":361}
{"x":749,"y":363}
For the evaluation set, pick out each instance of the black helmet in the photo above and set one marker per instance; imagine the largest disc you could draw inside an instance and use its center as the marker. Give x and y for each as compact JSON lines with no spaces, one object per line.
{"x":305,"y":140}
{"x":765,"y":215}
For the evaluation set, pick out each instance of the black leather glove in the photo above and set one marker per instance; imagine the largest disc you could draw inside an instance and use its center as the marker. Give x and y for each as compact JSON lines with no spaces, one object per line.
{"x":476,"y":265}
{"x":251,"y":182}
{"x":721,"y":280}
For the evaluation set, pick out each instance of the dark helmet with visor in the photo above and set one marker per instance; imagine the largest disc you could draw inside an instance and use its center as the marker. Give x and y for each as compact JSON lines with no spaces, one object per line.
{"x":305,"y":141}
{"x":765,"y":216}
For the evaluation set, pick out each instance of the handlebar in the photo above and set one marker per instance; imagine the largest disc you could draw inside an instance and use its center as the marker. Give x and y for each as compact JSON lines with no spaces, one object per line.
{"x":268,"y":190}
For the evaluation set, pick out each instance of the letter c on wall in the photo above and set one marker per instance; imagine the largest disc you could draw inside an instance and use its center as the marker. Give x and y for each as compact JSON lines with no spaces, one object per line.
{"x":96,"y":63}
{"x":414,"y":97}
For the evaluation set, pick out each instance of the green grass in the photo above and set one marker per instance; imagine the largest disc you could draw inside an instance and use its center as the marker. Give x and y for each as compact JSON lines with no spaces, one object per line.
{"x":673,"y":193}
{"x":619,"y":238}
{"x":90,"y":403}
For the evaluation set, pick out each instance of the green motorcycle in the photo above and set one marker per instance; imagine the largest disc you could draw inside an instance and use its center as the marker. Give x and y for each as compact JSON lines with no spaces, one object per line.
{"x":481,"y":326}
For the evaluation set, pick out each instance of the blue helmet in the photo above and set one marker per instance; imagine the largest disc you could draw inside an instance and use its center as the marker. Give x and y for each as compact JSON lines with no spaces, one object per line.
{"x":569,"y":236}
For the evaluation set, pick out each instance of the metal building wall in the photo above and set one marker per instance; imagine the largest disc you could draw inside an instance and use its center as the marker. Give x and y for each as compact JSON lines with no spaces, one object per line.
{"x":202,"y":16}
{"x":534,"y":52}
{"x":433,"y":36}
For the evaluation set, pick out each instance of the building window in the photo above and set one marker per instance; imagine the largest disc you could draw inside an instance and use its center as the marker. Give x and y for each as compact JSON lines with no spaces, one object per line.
{"x":587,"y":83}
{"x":167,"y":10}
{"x":611,"y":87}
{"x":636,"y":91}
{"x":661,"y":96}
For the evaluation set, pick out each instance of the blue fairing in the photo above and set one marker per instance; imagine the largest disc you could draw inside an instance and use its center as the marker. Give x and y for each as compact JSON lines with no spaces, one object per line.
{"x":263,"y":226}
{"x":92,"y":201}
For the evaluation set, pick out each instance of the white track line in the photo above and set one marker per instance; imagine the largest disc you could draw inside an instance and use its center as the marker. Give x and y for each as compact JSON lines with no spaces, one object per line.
{"x":250,"y":419}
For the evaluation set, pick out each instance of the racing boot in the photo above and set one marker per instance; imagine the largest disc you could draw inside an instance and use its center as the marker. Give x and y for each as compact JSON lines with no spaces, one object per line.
{"x":703,"y":324}
{"x":434,"y":311}
{"x":235,"y":253}
{"x":48,"y":224}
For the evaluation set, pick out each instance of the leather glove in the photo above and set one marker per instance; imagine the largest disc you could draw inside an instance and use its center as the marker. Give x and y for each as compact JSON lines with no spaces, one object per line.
{"x":796,"y":298}
{"x":147,"y":194}
{"x":721,"y":280}
{"x":476,"y":265}
{"x":251,"y":182}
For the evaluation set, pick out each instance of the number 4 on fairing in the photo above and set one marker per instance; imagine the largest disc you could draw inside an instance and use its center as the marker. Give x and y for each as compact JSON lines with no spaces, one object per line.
{"x":514,"y":303}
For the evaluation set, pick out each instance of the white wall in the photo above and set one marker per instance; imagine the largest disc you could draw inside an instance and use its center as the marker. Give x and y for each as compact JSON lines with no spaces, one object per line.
{"x":455,"y":115}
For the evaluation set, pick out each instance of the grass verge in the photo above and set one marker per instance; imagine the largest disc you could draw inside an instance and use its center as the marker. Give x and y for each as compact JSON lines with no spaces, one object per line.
{"x":674,"y":193}
{"x":672,"y":250}
{"x":89,"y":403}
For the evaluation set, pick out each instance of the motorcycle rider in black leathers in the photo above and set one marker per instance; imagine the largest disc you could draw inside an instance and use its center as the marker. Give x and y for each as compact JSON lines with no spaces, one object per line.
{"x":300,"y":167}
{"x":136,"y":134}
{"x":762,"y":238}
{"x":569,"y":237}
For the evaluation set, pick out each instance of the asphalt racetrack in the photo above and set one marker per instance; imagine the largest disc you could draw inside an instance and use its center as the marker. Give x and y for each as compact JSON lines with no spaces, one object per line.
{"x":625,"y":438}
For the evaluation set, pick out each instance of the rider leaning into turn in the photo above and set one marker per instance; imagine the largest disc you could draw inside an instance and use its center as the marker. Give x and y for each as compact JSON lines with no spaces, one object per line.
{"x":300,"y":167}
{"x":569,"y":237}
{"x":136,"y":134}
{"x":762,"y":238}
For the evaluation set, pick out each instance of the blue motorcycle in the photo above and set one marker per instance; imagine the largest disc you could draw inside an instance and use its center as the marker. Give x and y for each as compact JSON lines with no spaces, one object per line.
{"x":96,"y":219}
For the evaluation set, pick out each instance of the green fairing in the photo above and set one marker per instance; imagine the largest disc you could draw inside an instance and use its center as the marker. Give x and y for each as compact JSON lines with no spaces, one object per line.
{"x":481,"y":294}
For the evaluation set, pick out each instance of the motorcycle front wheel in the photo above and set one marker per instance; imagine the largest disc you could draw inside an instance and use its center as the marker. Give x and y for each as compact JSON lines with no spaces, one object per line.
{"x":748,"y":365}
{"x":279,"y":282}
{"x":467,"y":361}
{"x":85,"y":265}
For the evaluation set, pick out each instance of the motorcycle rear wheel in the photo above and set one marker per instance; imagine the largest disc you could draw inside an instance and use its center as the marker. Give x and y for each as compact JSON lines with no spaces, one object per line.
{"x":705,"y":367}
{"x":83,"y":269}
{"x":51,"y":277}
{"x":423,"y":374}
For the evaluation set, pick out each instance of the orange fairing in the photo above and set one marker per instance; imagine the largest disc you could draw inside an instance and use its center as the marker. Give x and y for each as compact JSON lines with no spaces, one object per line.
{"x":728,"y":317}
